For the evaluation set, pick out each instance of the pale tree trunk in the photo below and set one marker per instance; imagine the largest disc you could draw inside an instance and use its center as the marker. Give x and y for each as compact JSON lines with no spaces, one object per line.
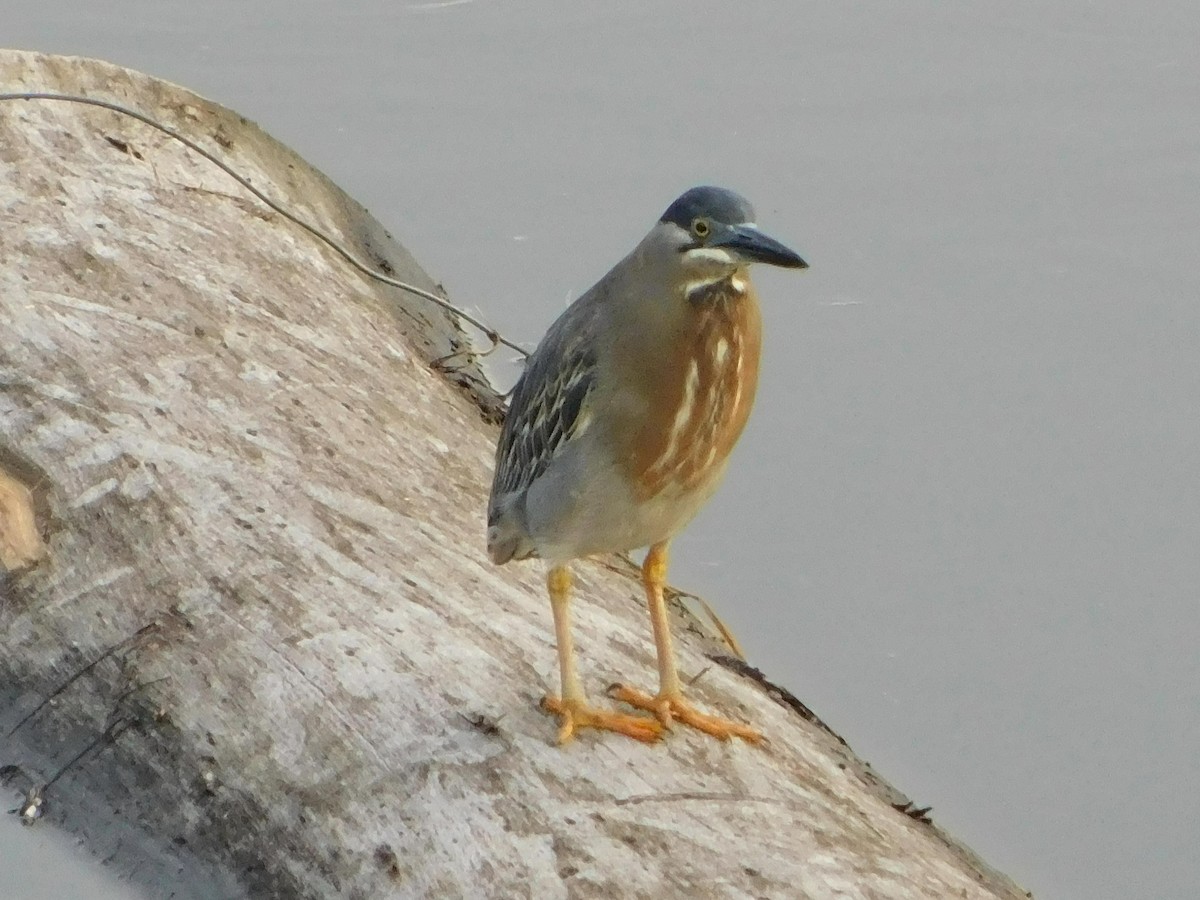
{"x":241,"y":518}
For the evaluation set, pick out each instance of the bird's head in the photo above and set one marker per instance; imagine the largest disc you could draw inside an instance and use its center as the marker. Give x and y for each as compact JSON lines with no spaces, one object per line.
{"x":709,"y":233}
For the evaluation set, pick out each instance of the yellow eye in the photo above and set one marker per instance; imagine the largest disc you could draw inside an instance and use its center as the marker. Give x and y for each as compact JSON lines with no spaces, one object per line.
{"x":700,"y":228}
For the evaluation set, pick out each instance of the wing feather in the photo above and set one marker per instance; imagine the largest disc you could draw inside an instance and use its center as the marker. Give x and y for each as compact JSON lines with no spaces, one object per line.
{"x":548,"y":409}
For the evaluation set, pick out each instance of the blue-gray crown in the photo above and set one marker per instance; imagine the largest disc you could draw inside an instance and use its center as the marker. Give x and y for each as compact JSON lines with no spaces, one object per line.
{"x":717,"y":204}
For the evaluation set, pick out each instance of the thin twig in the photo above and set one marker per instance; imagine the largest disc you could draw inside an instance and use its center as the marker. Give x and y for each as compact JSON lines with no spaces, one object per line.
{"x":79,"y":674}
{"x":110,"y":734}
{"x":365,"y":268}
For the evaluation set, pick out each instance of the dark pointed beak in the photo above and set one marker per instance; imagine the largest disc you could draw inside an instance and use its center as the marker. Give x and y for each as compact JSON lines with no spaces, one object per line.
{"x":752,"y":245}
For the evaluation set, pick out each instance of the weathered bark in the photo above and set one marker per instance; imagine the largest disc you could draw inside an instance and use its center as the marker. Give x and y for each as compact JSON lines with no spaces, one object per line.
{"x":261,"y":509}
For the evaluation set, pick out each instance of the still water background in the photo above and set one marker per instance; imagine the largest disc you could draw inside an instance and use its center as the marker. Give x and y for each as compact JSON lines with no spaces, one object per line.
{"x":964,"y":523}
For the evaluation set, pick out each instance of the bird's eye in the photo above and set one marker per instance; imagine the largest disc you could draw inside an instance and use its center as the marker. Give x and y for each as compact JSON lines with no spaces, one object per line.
{"x":700,"y":228}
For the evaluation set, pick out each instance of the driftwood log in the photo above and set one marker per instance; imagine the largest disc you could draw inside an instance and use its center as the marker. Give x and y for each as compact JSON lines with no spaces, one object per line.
{"x":248,"y":630}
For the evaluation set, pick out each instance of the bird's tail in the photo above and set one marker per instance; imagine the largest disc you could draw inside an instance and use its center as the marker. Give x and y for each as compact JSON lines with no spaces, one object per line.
{"x":507,"y":534}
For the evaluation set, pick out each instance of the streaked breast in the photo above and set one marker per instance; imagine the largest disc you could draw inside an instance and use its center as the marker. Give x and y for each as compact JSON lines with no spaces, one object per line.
{"x":702,"y":391}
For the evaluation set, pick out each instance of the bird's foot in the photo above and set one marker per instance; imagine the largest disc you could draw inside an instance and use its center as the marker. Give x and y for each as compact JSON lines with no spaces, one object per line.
{"x":672,"y":707}
{"x":576,"y":714}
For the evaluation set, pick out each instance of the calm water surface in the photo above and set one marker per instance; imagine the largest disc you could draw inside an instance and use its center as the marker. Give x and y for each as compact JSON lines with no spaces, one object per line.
{"x":963,"y":524}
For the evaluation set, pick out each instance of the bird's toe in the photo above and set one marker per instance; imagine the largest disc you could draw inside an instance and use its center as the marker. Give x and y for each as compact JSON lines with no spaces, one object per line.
{"x":576,"y":714}
{"x":671,"y":708}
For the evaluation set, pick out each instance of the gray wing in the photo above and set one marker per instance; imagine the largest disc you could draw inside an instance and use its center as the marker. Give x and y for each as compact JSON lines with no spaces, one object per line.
{"x":545,"y":410}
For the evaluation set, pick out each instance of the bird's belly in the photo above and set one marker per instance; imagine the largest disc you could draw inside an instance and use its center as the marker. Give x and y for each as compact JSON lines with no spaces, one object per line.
{"x":584,"y":506}
{"x":621,"y":522}
{"x":664,"y":515}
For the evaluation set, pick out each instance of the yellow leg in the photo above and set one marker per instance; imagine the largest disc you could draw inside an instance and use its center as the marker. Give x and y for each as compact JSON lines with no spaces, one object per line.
{"x":571,"y":706}
{"x":669,"y":704}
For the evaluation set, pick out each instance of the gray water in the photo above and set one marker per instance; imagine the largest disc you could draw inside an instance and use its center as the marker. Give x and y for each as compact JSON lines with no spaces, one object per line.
{"x":964,"y":522}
